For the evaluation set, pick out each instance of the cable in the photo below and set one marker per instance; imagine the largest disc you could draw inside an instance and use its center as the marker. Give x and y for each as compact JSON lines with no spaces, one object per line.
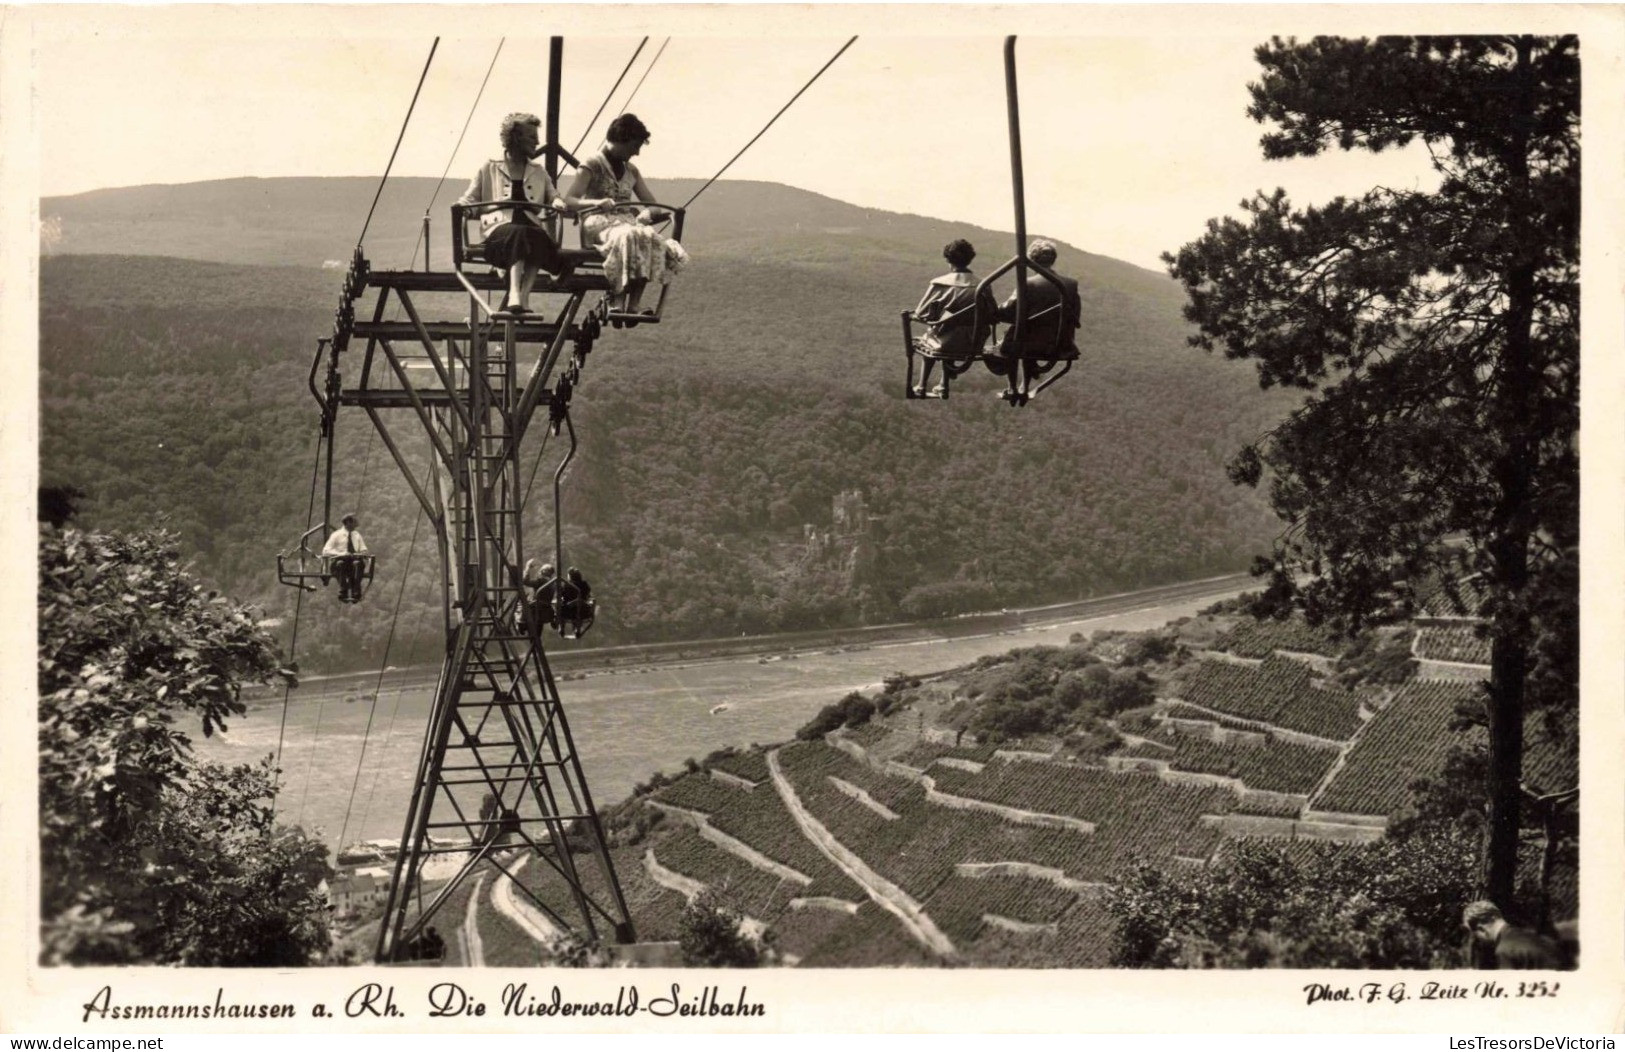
{"x":366,"y":465}
{"x":429,"y":208}
{"x":398,"y":139}
{"x":383,"y":666}
{"x":524,"y":501}
{"x":452,"y":159}
{"x":298,"y":608}
{"x":628,"y":103}
{"x":389,"y":731}
{"x":585,"y":131}
{"x":769,"y":124}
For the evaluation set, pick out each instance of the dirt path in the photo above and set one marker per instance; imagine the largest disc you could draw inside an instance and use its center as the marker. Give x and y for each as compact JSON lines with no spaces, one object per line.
{"x":473,"y":948}
{"x":530,"y":920}
{"x":887,"y":895}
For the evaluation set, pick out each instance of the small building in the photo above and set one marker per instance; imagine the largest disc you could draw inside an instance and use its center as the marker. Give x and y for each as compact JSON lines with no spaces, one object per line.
{"x":358,"y":889}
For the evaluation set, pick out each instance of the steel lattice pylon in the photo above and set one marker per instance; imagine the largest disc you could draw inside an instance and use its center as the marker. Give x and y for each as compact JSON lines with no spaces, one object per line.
{"x":497,"y":728}
{"x":499,"y":769}
{"x":499,"y":780}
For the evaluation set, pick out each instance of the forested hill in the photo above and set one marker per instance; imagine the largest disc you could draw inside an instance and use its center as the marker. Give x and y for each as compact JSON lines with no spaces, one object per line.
{"x":176,"y":388}
{"x":303,"y":222}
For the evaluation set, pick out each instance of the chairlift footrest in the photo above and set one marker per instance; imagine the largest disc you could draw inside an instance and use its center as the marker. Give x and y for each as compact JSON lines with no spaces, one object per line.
{"x":632,"y":317}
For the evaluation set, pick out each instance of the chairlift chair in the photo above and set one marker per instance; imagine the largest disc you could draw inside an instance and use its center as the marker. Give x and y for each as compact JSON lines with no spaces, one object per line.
{"x":585,"y":263}
{"x":305,"y":565}
{"x":954,"y":363}
{"x":580,"y":617}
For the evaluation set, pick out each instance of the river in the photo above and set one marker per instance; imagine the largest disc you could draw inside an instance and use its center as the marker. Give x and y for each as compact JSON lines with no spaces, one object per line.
{"x":627,"y":723}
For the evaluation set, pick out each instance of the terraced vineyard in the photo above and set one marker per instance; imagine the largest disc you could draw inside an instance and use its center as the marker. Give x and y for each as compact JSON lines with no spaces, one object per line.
{"x":1407,"y":740}
{"x":654,"y":909}
{"x":959,"y":905}
{"x":1260,"y":639}
{"x":1093,"y":794}
{"x":980,"y":845}
{"x":1452,"y":643}
{"x":760,"y":819}
{"x":753,"y":891}
{"x":700,"y":792}
{"x":751,"y":766}
{"x":870,"y":939}
{"x":1178,"y":711}
{"x":1551,"y":760}
{"x":1137,"y":816}
{"x":1274,"y":765}
{"x":1440,"y":598}
{"x":1280,"y":692}
{"x":922,"y":754}
{"x":921,"y":849}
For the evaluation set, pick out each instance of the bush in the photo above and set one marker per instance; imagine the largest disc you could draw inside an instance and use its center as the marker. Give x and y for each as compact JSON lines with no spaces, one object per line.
{"x":716,"y":756}
{"x":854,"y":710}
{"x":1008,"y":718}
{"x":1240,"y":604}
{"x":898,"y":682}
{"x":147,"y":855}
{"x":709,"y":937}
{"x":1392,"y":904}
{"x":1144,"y":649}
{"x":1379,"y":659}
{"x":1129,"y":690}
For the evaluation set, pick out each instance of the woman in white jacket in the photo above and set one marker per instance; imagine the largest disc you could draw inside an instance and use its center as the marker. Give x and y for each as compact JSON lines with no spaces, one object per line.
{"x":514,"y":237}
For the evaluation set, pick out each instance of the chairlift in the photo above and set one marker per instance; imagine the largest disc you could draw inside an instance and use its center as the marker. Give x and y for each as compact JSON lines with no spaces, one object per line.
{"x":1018,"y":350}
{"x":306,"y":567}
{"x":572,"y":615}
{"x":956,"y":356}
{"x":584,"y":265}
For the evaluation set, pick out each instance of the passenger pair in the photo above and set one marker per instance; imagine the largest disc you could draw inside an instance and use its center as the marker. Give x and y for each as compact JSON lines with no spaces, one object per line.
{"x":958,"y":321}
{"x":606,"y":192}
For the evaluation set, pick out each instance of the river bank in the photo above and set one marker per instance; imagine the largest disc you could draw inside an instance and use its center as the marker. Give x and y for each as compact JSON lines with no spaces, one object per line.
{"x":348,"y":764}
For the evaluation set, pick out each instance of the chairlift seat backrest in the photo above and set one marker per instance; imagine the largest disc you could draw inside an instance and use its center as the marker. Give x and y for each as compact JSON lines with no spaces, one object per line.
{"x":468,"y":246}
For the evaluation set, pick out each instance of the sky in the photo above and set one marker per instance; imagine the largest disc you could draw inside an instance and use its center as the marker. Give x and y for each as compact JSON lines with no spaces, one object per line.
{"x":1133,"y":120}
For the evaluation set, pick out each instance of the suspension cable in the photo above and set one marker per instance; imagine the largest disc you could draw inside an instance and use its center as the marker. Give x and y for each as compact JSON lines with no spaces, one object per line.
{"x":769,"y":124}
{"x":383,"y":666}
{"x":389,"y":731}
{"x":646,"y":71}
{"x":524,"y":501}
{"x":588,"y":129}
{"x":366,"y":465}
{"x":398,"y":139}
{"x":299,"y":603}
{"x":452,"y":157}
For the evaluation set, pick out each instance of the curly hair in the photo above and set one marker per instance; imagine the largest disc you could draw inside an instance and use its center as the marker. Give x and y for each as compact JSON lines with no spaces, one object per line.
{"x":512,"y":123}
{"x":959,"y":252}
{"x":1041,"y":252}
{"x":627,"y":128}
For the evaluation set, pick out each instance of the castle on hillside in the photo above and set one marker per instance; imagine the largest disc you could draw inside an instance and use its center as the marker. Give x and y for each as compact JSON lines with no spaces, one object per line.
{"x":846,"y":545}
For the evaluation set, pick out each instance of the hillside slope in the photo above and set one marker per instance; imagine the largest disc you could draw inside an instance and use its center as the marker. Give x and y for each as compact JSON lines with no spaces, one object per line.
{"x":176,"y":388}
{"x":983,"y":816}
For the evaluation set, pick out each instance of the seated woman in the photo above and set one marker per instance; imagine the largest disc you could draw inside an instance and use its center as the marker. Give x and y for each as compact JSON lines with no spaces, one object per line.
{"x":514,"y":237}
{"x":635,"y":254}
{"x":541,"y":584}
{"x":950,"y":297}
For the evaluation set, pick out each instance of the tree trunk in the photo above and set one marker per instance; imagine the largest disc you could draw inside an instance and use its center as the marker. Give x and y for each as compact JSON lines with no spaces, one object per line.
{"x":1508,"y":658}
{"x":1513,"y":410}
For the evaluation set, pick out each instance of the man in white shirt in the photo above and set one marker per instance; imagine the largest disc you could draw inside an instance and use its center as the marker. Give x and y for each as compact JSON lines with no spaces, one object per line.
{"x":343,"y":552}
